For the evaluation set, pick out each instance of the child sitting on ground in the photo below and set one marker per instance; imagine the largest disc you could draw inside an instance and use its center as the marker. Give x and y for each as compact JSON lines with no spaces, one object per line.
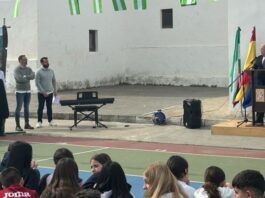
{"x":12,"y":183}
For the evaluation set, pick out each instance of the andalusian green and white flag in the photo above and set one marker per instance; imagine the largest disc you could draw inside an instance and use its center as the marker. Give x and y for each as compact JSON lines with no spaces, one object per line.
{"x":119,"y":5}
{"x":74,"y":7}
{"x":140,"y":4}
{"x":16,"y":9}
{"x":188,"y":2}
{"x":97,"y":4}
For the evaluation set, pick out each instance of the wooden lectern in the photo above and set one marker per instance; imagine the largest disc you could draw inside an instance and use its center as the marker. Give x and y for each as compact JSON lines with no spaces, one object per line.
{"x":258,"y":94}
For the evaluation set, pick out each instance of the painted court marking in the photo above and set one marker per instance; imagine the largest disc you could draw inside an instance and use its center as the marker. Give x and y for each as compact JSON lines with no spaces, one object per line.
{"x":146,"y":150}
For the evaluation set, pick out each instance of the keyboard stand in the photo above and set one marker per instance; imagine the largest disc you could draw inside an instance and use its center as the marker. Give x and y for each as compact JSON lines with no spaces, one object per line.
{"x":87,"y":111}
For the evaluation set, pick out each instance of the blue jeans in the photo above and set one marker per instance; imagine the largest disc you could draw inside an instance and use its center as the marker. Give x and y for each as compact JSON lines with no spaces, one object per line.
{"x":22,"y":98}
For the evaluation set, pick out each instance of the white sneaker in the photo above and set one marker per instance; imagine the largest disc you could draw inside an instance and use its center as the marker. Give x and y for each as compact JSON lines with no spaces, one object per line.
{"x":39,"y":125}
{"x":52,"y":124}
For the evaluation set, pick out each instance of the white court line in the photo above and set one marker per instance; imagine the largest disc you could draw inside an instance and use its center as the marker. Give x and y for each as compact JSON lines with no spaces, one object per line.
{"x":79,"y":153}
{"x":170,"y":152}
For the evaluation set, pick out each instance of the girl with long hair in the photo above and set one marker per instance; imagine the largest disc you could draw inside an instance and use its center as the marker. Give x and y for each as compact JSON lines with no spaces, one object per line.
{"x":20,"y":157}
{"x":214,"y":185}
{"x":112,"y":182}
{"x":97,"y":162}
{"x":159,"y":182}
{"x":65,"y":181}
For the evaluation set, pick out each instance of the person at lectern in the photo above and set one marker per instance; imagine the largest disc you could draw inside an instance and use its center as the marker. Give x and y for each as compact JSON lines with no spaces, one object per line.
{"x":260,"y":64}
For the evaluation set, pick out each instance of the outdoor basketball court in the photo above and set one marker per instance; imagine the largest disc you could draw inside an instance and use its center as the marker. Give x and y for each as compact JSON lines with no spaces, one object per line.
{"x":136,"y":156}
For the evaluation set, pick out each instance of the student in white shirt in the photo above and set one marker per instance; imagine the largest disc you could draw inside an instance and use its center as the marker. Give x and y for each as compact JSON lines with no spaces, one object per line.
{"x":180,"y":169}
{"x":249,"y":184}
{"x":159,"y":182}
{"x":214,"y":185}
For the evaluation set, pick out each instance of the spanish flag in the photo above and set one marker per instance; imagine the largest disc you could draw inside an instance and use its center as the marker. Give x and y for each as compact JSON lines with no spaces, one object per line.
{"x":245,"y":80}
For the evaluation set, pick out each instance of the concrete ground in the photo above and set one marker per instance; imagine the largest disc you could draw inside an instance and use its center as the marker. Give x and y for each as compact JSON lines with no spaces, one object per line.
{"x":137,"y":103}
{"x":131,"y":113}
{"x":144,"y":132}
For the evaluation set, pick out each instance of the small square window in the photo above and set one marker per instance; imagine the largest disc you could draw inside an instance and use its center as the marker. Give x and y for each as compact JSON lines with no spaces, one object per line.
{"x":167,"y":18}
{"x":93,"y":40}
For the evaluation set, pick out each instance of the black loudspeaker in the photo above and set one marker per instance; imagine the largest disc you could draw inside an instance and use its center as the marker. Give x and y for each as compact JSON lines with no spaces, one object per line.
{"x":192,"y":117}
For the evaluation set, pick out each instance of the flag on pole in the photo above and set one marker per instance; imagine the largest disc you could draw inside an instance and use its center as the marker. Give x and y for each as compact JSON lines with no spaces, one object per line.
{"x":235,"y":68}
{"x":1,"y":39}
{"x":245,"y":80}
{"x":188,"y":2}
{"x":16,"y":9}
{"x":74,"y":7}
{"x":140,"y":4}
{"x":119,"y":5}
{"x":97,"y":4}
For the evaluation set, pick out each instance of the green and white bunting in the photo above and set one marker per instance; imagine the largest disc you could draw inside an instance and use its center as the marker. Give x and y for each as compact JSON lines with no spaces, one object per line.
{"x":188,"y":2}
{"x":97,"y":4}
{"x":119,"y":5}
{"x":74,"y":7}
{"x":16,"y":9}
{"x":140,"y":4}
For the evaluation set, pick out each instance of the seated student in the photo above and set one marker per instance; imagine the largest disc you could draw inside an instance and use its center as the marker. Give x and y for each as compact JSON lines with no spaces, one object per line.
{"x":112,"y":182}
{"x":20,"y":157}
{"x":159,"y":182}
{"x":214,"y":185}
{"x":88,"y":193}
{"x":96,"y":163}
{"x":180,"y":168}
{"x":3,"y":163}
{"x":65,"y":181}
{"x":12,"y":183}
{"x":58,"y":154}
{"x":249,"y":184}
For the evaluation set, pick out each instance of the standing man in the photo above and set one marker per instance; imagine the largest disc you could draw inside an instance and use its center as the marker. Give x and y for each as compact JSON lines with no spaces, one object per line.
{"x":4,"y":112}
{"x":23,"y":75}
{"x":46,"y":84}
{"x":260,"y":64}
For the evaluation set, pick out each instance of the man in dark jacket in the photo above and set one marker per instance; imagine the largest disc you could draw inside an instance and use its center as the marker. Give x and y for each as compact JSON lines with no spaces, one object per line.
{"x":4,"y":111}
{"x":260,"y":64}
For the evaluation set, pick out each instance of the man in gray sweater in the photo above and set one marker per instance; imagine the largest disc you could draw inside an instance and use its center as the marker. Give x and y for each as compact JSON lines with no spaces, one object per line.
{"x":23,"y":75}
{"x":46,"y":84}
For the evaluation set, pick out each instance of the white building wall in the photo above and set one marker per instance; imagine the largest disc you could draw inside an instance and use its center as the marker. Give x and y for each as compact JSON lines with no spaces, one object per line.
{"x":22,"y":36}
{"x":133,"y":48}
{"x":246,"y":14}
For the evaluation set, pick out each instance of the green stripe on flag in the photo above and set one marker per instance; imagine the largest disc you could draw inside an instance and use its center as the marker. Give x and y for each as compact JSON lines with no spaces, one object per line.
{"x":188,"y":2}
{"x":16,"y":9}
{"x":97,"y":6}
{"x":74,"y":7}
{"x":140,"y":4}
{"x":235,"y":69}
{"x":119,"y":5}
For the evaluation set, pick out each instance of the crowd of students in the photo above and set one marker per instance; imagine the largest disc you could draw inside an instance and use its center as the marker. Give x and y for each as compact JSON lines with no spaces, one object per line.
{"x":20,"y":178}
